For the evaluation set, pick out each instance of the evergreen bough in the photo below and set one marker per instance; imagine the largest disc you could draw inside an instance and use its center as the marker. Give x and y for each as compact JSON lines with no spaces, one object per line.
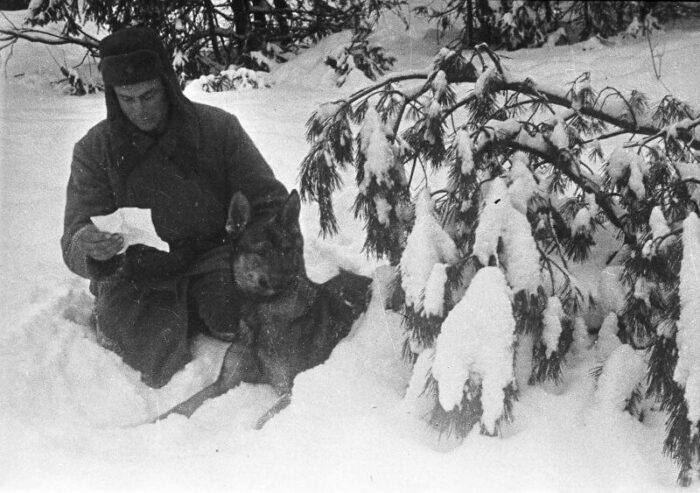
{"x":471,"y":119}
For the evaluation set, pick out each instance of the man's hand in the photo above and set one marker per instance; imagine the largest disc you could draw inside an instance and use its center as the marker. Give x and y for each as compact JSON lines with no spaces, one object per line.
{"x":98,"y":244}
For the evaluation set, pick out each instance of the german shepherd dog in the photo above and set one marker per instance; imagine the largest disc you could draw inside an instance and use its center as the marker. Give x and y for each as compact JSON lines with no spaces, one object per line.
{"x":291,"y":323}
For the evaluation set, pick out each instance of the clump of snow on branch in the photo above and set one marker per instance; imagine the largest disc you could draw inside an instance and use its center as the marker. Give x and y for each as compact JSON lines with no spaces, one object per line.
{"x":463,"y":151}
{"x":552,"y":324}
{"x":582,"y":339}
{"x":521,"y":257}
{"x":523,"y":185}
{"x":500,"y":220}
{"x":379,"y":153}
{"x":497,"y":130}
{"x":491,"y":222}
{"x":232,"y":78}
{"x":439,"y":84}
{"x":484,"y":82}
{"x":476,"y":342}
{"x":607,"y":340}
{"x":642,"y":290}
{"x":383,"y":210}
{"x":415,"y":398}
{"x":427,"y":246}
{"x":622,"y":372}
{"x":657,"y":223}
{"x":582,"y":222}
{"x":618,"y":163}
{"x":433,"y":302}
{"x":687,"y":372}
{"x":560,"y":137}
{"x":622,"y":162}
{"x":324,"y":112}
{"x":691,"y":173}
{"x":659,"y":229}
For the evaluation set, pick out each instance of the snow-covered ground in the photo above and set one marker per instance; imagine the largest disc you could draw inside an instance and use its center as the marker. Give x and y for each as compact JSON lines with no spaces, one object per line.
{"x":72,"y":414}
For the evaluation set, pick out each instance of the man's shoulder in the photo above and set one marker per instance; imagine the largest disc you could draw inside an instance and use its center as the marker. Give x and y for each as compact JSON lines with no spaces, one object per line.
{"x":208,"y":113}
{"x":97,"y":135}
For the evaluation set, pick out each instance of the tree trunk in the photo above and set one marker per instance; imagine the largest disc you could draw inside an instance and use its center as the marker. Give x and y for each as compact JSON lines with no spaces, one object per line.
{"x":241,"y":22}
{"x":470,"y":23}
{"x":281,"y":17}
{"x":211,"y":20}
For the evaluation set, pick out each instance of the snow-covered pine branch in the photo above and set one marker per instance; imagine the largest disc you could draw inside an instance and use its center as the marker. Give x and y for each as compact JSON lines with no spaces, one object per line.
{"x":525,"y":198}
{"x":476,"y":344}
{"x":429,"y":249}
{"x":687,"y":372}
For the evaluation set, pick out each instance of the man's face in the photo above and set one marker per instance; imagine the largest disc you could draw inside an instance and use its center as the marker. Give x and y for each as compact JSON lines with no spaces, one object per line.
{"x":145,"y":104}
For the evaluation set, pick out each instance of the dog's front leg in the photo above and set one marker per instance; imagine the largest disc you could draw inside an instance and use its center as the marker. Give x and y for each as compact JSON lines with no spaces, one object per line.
{"x":240,"y":365}
{"x":281,"y":403}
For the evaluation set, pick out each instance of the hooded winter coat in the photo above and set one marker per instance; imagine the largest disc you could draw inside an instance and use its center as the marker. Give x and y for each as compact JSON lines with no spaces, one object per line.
{"x":145,"y":303}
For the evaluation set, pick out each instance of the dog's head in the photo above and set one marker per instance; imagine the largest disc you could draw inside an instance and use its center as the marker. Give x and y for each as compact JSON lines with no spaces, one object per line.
{"x":267,"y":256}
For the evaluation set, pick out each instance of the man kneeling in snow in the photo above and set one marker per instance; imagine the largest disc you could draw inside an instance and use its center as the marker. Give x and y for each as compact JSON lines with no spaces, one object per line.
{"x":158,"y":150}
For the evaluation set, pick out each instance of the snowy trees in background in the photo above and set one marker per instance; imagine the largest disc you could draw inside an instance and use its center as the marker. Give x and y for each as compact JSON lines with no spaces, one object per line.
{"x":530,"y":23}
{"x":478,"y":184}
{"x":206,"y":37}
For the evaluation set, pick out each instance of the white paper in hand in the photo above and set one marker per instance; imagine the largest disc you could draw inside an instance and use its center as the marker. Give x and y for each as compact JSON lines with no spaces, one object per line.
{"x":134,"y":224}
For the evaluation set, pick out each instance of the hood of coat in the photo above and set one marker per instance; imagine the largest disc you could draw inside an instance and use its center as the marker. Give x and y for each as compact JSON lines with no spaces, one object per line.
{"x":137,"y":54}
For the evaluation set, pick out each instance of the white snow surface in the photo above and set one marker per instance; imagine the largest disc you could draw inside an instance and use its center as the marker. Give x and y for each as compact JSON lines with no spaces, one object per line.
{"x":687,"y":372}
{"x":476,"y":343}
{"x":71,"y":412}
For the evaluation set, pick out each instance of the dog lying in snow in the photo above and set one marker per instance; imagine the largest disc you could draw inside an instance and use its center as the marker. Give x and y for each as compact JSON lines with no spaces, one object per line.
{"x":293,"y":323}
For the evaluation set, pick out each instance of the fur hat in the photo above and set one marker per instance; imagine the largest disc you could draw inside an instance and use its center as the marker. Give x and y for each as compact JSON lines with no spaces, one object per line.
{"x":132,"y":55}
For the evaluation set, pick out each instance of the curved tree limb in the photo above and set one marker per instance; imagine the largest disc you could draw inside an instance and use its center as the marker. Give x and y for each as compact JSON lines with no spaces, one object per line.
{"x":47,"y":37}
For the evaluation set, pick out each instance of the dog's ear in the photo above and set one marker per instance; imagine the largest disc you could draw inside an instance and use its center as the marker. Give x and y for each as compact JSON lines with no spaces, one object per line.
{"x":238,"y":214}
{"x":289,"y":215}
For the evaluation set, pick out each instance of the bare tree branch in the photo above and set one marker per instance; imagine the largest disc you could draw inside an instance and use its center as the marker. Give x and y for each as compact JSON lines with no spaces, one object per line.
{"x":46,"y":37}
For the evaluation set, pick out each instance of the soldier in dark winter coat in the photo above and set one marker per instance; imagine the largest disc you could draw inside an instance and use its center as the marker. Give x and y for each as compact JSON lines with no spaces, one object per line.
{"x":158,"y":150}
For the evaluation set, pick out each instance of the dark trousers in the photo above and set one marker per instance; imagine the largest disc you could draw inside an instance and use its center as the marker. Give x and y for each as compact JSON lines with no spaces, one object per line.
{"x":150,"y":326}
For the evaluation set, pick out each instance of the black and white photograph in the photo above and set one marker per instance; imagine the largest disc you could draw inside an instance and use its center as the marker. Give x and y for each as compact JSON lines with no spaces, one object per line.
{"x":350,"y":246}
